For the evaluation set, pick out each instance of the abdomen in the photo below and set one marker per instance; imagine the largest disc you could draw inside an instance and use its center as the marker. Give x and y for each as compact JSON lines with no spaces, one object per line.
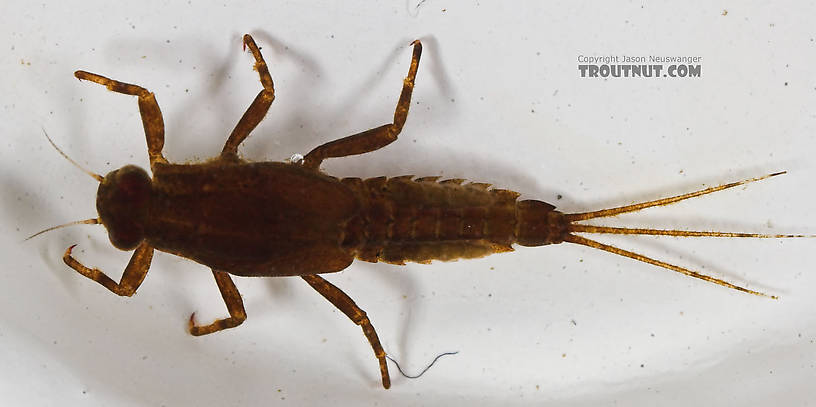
{"x":404,"y":219}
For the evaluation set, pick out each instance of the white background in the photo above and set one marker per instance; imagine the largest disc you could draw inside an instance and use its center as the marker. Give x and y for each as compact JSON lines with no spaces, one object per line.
{"x":498,"y":99}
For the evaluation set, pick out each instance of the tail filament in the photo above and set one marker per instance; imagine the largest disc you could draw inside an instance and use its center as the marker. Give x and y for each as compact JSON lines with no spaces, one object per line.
{"x":573,"y":228}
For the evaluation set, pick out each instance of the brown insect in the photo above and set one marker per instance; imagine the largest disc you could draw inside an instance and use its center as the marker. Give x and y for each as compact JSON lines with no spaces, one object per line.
{"x":275,"y":219}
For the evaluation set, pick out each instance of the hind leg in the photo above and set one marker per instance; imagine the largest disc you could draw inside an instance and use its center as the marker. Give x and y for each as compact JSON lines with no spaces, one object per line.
{"x":375,"y":138}
{"x":345,"y":304}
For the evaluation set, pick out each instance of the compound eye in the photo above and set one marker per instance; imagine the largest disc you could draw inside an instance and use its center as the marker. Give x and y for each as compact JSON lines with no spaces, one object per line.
{"x":133,"y":186}
{"x":127,"y":236}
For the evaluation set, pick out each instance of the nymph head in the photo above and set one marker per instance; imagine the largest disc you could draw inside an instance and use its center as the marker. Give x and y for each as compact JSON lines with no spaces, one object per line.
{"x":122,"y":200}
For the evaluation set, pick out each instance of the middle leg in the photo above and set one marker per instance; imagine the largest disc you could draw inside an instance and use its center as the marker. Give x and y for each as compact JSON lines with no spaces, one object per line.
{"x":235,"y":306}
{"x":257,"y":110}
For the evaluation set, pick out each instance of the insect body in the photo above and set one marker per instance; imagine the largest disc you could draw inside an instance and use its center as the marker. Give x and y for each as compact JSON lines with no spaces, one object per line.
{"x":290,"y":219}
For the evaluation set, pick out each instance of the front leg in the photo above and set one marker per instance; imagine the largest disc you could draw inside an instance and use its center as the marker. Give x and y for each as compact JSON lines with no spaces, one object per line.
{"x":132,"y":278}
{"x":148,"y":108}
{"x":375,"y":138}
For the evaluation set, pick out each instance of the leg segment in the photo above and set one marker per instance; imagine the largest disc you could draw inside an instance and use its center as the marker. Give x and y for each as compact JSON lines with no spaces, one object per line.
{"x":257,"y":110}
{"x":235,"y":306}
{"x":376,"y":138}
{"x":345,"y":304}
{"x":132,"y":278}
{"x":148,"y":107}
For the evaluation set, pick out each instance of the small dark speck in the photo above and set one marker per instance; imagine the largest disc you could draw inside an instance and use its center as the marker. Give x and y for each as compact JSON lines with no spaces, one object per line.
{"x":653,"y":336}
{"x":167,"y":41}
{"x":84,"y":392}
{"x":642,"y":365}
{"x":573,"y":322}
{"x":144,"y":357}
{"x":489,"y":295}
{"x":786,"y":84}
{"x":453,"y":100}
{"x":559,"y":196}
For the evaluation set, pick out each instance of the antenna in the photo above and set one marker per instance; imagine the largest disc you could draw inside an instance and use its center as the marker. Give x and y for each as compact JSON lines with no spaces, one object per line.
{"x":94,"y":175}
{"x":93,"y":221}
